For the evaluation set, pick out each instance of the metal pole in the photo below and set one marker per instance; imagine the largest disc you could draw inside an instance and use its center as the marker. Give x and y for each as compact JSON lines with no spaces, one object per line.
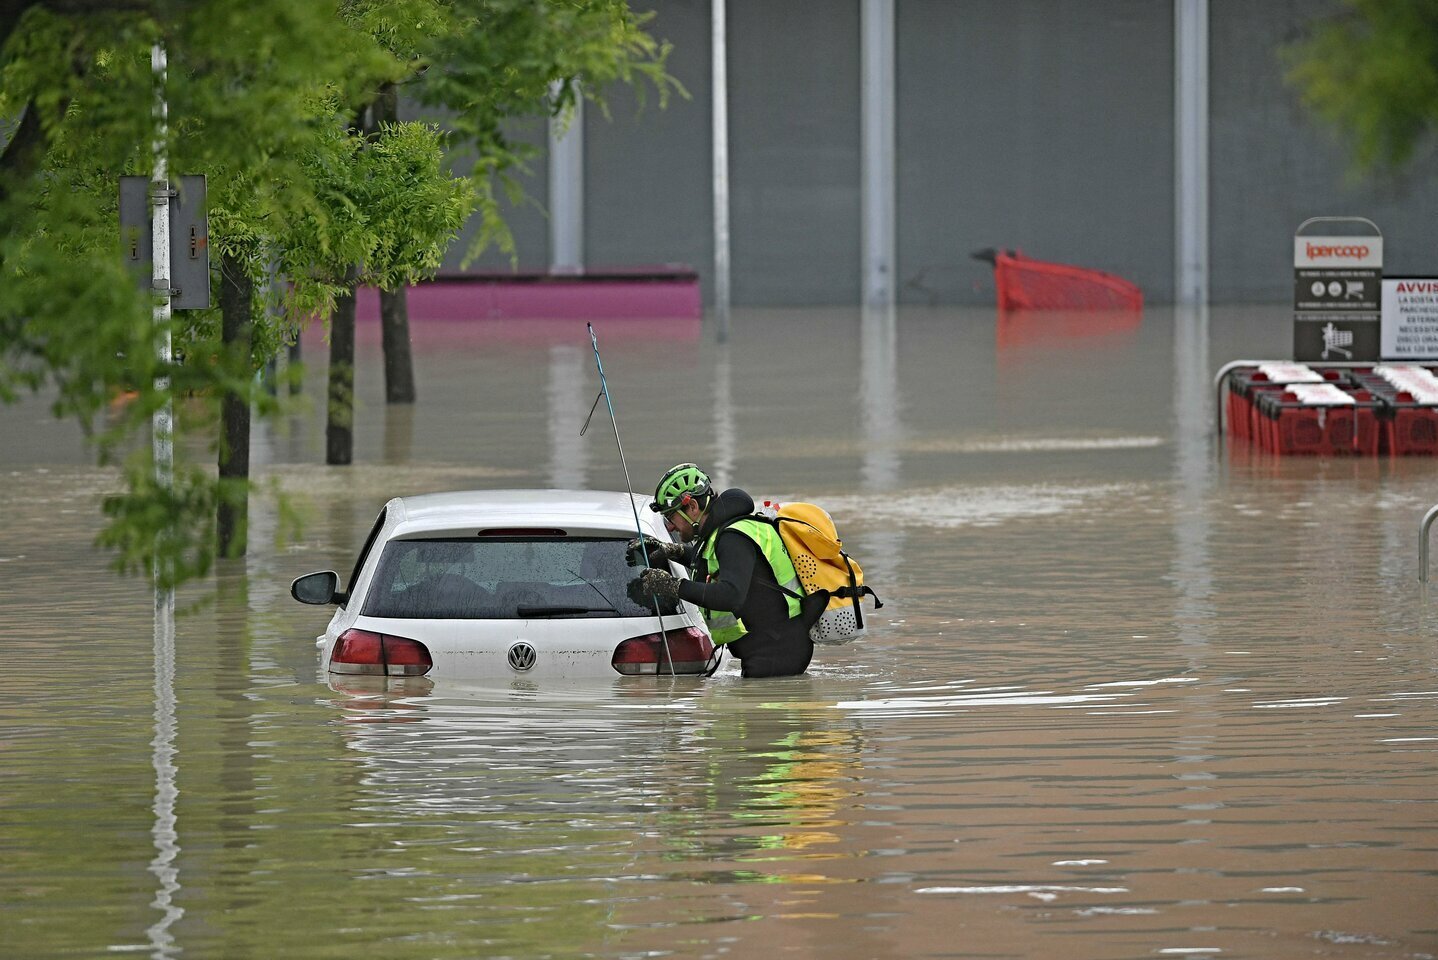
{"x":566,"y":190}
{"x":629,"y":489}
{"x":161,"y":423}
{"x":164,"y":832}
{"x":1190,"y":64}
{"x":1423,"y":528}
{"x":877,"y":106}
{"x":720,"y":97}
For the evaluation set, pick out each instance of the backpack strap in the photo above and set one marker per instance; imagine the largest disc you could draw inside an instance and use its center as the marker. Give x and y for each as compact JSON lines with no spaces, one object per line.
{"x":849,"y":593}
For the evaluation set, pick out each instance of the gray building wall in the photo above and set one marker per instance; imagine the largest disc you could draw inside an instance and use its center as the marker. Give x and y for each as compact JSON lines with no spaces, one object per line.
{"x":1044,"y":125}
{"x":1273,"y":167}
{"x":794,"y":151}
{"x":648,"y":186}
{"x":1039,"y":125}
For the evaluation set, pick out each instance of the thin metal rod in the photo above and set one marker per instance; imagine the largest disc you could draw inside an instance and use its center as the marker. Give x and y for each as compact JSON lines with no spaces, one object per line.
{"x":1428,"y":519}
{"x":629,"y":488}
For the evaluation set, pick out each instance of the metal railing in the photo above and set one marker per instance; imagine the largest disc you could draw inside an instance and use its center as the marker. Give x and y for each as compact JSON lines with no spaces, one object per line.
{"x":1428,"y":519}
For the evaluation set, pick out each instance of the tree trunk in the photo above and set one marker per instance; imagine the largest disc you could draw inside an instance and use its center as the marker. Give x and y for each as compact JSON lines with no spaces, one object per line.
{"x":292,"y":362}
{"x":393,"y":304}
{"x":339,"y":431}
{"x":398,"y":362}
{"x":237,"y":298}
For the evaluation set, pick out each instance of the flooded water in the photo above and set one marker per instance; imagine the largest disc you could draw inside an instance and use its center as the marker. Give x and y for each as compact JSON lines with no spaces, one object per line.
{"x":1131,"y":693}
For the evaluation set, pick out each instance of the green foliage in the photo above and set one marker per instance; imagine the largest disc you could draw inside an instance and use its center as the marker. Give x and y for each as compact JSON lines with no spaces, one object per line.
{"x":262,"y":98}
{"x":384,"y":212}
{"x":1372,"y":71}
{"x":143,"y":532}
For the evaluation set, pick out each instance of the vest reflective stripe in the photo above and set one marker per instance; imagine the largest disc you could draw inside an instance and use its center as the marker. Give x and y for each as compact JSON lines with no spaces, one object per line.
{"x":726,"y":627}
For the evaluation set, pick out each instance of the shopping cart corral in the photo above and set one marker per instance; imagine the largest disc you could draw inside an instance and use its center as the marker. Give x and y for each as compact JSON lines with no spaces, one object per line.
{"x":1329,"y":408}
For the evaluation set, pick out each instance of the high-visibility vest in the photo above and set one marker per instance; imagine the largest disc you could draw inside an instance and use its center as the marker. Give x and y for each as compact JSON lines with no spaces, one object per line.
{"x":725,"y":626}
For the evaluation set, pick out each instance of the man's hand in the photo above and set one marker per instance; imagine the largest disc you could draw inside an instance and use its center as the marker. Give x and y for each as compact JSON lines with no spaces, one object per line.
{"x":660,"y":551}
{"x":652,"y":584}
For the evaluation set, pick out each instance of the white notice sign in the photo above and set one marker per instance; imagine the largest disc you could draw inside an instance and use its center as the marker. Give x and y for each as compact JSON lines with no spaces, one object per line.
{"x":1410,"y":318}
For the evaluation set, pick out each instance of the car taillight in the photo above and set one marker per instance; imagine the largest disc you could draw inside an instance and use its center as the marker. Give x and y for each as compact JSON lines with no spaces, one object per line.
{"x":379,"y":654}
{"x":689,"y":647}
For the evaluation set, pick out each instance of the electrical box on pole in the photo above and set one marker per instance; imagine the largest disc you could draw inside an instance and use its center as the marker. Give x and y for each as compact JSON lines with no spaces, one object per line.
{"x":189,"y":238}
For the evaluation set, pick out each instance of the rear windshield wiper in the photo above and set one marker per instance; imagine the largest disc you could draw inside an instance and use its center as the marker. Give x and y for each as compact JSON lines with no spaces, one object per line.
{"x":595,"y":587}
{"x":560,"y":610}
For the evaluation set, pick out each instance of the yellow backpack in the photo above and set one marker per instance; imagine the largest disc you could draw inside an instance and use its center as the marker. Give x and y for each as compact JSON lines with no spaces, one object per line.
{"x":819,"y":559}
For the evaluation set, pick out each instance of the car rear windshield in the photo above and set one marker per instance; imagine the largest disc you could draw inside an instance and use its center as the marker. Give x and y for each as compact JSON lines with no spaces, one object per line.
{"x":503,"y":579}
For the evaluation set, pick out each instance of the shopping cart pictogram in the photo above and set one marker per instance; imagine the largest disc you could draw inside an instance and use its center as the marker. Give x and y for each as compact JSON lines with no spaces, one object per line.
{"x":1335,"y":340}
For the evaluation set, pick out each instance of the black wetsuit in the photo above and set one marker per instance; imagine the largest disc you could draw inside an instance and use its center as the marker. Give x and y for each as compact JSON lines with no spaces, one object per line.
{"x":775,"y":645}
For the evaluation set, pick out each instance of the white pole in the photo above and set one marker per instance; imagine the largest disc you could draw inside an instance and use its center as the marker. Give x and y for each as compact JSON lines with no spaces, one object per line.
{"x":877,"y":106}
{"x":161,"y":424}
{"x":1190,"y":24}
{"x":164,"y":832}
{"x":566,"y":190}
{"x":720,"y":55}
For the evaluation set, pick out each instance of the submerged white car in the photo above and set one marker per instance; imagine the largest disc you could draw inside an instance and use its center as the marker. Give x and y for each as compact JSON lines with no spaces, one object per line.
{"x":493,"y":585}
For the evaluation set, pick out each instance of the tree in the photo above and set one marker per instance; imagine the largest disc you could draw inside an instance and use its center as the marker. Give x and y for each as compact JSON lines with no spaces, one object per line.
{"x":245,"y":109}
{"x":479,"y":62}
{"x":391,"y":213}
{"x":1371,"y":70}
{"x":482,"y":62}
{"x":262,"y":97}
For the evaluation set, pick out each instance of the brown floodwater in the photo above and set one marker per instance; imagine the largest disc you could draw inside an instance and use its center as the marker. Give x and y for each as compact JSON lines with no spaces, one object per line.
{"x":1132,"y":693}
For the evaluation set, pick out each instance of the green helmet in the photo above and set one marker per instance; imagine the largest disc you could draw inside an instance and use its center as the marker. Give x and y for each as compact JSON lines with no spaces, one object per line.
{"x":677,"y":482}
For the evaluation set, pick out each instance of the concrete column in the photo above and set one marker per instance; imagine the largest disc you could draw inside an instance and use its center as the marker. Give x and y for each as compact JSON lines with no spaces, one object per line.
{"x":566,"y":191}
{"x":877,"y":108}
{"x":1190,"y":85}
{"x":719,"y":47}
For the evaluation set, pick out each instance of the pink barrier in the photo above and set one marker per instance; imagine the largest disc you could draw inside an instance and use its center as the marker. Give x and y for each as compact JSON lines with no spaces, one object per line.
{"x":631,"y":294}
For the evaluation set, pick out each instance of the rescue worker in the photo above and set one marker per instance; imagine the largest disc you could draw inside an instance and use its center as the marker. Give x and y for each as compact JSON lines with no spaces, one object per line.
{"x":739,"y":563}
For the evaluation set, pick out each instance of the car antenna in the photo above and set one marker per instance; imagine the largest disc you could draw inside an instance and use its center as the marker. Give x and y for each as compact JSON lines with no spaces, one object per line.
{"x":628,"y":486}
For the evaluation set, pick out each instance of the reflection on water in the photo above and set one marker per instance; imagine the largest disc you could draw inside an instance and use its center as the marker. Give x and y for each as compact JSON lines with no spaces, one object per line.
{"x":1130,"y":694}
{"x":167,"y":848}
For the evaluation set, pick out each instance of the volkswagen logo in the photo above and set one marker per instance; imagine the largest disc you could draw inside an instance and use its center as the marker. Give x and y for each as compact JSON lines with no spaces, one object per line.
{"x":522,"y":656}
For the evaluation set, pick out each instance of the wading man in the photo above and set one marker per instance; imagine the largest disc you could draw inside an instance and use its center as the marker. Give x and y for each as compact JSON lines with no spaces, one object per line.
{"x":739,"y":564}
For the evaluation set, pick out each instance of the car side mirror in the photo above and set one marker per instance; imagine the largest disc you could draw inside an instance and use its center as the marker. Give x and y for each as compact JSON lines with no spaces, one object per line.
{"x":318,"y":588}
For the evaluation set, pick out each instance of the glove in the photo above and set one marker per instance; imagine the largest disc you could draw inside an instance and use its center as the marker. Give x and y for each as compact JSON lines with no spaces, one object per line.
{"x":652,"y":584}
{"x":660,"y":552}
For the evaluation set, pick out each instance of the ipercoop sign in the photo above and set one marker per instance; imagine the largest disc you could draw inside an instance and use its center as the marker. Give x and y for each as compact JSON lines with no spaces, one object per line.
{"x":1337,"y":292}
{"x":1337,"y":252}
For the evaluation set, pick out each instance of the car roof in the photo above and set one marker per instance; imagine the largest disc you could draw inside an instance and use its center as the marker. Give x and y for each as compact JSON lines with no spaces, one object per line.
{"x":462,"y":509}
